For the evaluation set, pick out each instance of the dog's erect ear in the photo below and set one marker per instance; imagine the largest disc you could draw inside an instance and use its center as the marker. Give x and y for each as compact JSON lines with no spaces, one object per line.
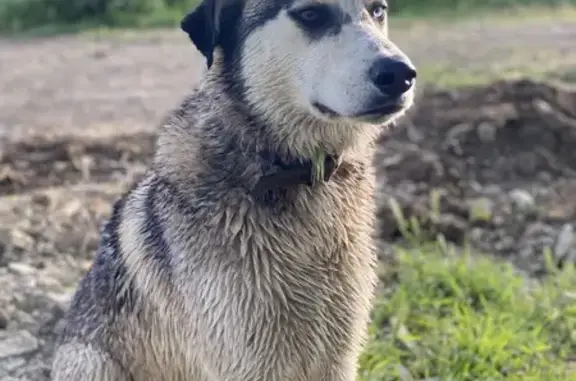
{"x":203,"y":27}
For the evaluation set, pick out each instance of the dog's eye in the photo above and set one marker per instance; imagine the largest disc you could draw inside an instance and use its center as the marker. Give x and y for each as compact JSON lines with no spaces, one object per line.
{"x":315,"y":17}
{"x":308,"y":15}
{"x":378,"y":11}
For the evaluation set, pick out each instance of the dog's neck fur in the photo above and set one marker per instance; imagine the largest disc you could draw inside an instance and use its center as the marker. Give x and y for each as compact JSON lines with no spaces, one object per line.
{"x":217,"y":135}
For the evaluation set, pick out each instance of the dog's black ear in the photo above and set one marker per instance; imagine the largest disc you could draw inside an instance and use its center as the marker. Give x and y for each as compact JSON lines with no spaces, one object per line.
{"x":202,"y":26}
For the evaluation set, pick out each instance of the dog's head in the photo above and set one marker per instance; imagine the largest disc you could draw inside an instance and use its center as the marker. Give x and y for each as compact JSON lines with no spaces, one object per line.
{"x":327,"y":60}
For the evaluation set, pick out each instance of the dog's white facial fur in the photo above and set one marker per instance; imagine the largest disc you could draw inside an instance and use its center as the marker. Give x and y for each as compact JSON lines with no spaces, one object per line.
{"x":313,"y":83}
{"x":284,"y":68}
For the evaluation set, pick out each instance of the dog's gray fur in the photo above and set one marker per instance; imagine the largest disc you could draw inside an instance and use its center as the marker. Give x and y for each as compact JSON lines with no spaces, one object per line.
{"x":195,"y":279}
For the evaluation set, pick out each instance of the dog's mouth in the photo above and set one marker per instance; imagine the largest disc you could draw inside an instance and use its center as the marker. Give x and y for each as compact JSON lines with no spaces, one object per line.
{"x":381,"y":111}
{"x":325,"y":110}
{"x":377,"y":113}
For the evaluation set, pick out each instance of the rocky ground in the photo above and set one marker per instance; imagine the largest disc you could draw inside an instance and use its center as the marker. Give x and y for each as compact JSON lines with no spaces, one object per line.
{"x":498,"y":158}
{"x":493,"y":167}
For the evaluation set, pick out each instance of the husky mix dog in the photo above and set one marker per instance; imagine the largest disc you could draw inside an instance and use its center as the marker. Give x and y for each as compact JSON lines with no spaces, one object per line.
{"x":246,"y":252}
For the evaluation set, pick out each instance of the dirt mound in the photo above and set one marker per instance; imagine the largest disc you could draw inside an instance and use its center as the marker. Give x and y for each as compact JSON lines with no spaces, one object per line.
{"x":499,"y":160}
{"x":500,"y":163}
{"x":42,"y":163}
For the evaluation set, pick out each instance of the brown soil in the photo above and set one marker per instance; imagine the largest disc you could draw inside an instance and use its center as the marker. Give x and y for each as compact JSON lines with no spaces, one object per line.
{"x":41,"y":163}
{"x":500,"y":162}
{"x":500,"y":156}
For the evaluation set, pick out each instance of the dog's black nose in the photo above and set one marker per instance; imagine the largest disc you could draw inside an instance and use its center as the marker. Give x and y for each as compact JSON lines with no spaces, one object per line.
{"x":392,"y":76}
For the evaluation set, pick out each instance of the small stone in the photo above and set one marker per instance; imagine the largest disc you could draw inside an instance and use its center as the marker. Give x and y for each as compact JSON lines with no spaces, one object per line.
{"x":564,"y":241}
{"x":491,"y":190}
{"x":486,"y":132}
{"x":62,"y":299}
{"x":505,"y":244}
{"x":71,"y":208}
{"x":12,"y":364}
{"x":455,"y":136}
{"x":18,"y":344}
{"x":20,"y":268}
{"x":3,"y":320}
{"x":84,"y":266}
{"x":543,"y":106}
{"x":41,"y":199}
{"x":526,"y":164}
{"x":453,"y":228}
{"x":498,"y":221}
{"x":413,"y":134}
{"x":459,"y":131}
{"x":422,"y":167}
{"x":5,"y":246}
{"x":99,"y":54}
{"x":9,"y":378}
{"x":48,"y":283}
{"x":522,"y":201}
{"x":545,"y":177}
{"x":51,"y":320}
{"x":59,"y":327}
{"x":481,"y":209}
{"x":22,"y":240}
{"x":476,"y":234}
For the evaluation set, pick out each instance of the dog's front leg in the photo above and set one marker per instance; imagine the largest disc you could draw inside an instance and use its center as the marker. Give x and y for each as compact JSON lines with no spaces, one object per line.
{"x":80,"y":362}
{"x":345,"y":370}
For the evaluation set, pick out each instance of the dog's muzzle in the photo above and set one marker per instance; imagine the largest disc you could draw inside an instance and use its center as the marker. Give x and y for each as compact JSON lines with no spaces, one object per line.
{"x":393,"y":79}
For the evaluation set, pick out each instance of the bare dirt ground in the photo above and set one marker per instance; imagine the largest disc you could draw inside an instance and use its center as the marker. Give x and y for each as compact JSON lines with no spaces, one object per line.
{"x":500,"y":156}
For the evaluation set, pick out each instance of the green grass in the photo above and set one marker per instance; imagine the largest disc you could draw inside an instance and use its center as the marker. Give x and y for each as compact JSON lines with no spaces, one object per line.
{"x":53,"y":16}
{"x":461,"y":317}
{"x":452,"y":315}
{"x":455,"y":77}
{"x":425,"y":19}
{"x":450,"y":7}
{"x":57,"y":16}
{"x":30,"y":18}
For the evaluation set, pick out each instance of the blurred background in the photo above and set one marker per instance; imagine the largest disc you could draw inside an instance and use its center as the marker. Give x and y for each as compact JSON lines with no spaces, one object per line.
{"x":477,"y":186}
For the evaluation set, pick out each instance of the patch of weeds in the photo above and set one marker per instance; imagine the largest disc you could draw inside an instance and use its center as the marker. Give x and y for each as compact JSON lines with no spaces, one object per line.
{"x":449,"y":8}
{"x":40,"y":17}
{"x":453,"y":315}
{"x":67,"y":15}
{"x":463,"y":317}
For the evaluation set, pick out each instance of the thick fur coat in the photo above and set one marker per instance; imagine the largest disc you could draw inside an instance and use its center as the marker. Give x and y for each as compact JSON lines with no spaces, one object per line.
{"x":197,"y":279}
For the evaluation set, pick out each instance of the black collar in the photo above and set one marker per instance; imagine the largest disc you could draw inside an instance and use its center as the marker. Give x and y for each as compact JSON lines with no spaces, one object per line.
{"x":283,"y":174}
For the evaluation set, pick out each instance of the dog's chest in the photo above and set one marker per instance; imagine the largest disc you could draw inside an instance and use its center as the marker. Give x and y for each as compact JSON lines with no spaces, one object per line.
{"x":291,"y":289}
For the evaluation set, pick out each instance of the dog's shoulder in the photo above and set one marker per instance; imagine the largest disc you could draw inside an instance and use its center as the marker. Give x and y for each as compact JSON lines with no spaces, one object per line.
{"x":131,"y":233}
{"x":106,"y":289}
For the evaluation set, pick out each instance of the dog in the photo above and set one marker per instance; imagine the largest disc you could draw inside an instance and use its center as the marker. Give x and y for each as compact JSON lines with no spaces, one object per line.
{"x":246,"y":252}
